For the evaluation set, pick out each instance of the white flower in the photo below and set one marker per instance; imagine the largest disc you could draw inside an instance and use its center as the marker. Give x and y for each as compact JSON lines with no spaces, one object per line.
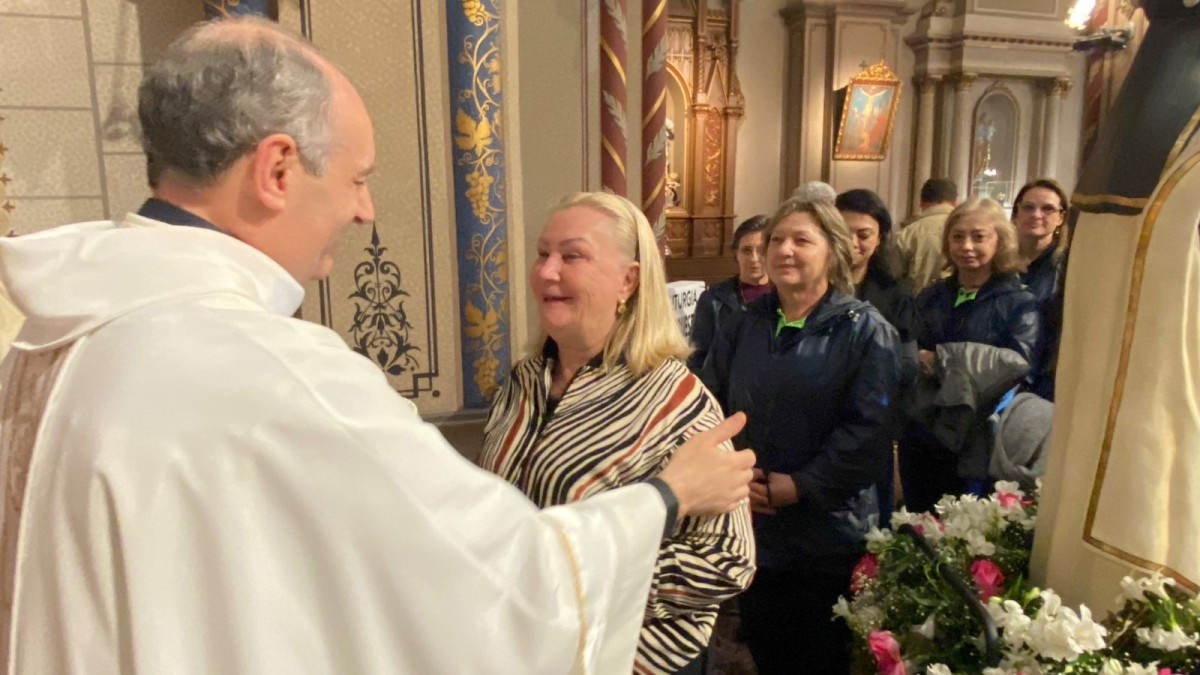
{"x":1166,"y":640}
{"x":1155,"y":584}
{"x":877,"y":539}
{"x":1028,"y":522}
{"x":1011,"y":487}
{"x":1131,"y":591}
{"x":1011,"y":620}
{"x":1001,"y":671}
{"x":842,"y":608}
{"x":1115,"y":667}
{"x":904,"y":517}
{"x":928,"y":628}
{"x":1059,"y":634}
{"x":938,"y":669}
{"x":977,"y":544}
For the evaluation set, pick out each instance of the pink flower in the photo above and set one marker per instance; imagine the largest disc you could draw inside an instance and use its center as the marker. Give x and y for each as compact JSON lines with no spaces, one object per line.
{"x":887,"y":653}
{"x":1008,"y":499}
{"x":866,"y":570}
{"x":988,"y":578}
{"x":1165,"y":671}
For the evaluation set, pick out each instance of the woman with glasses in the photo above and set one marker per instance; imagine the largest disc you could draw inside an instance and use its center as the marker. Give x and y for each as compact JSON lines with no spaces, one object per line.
{"x":1040,"y":215}
{"x":983,"y":302}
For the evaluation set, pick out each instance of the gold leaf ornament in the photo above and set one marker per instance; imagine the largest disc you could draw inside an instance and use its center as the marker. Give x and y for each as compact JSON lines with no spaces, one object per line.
{"x":472,"y":135}
{"x":480,"y":325}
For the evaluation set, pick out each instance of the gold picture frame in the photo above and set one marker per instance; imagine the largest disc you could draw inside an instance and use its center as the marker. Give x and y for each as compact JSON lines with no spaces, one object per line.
{"x":868,"y":111}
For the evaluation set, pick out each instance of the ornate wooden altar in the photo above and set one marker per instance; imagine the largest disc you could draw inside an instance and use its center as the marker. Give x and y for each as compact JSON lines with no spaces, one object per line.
{"x":704,"y":107}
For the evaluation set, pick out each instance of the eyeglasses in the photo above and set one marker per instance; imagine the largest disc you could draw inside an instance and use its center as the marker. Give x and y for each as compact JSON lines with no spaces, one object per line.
{"x":1046,"y":209}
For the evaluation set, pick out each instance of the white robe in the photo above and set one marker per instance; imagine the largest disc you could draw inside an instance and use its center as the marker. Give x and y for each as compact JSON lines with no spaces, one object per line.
{"x":215,"y":487}
{"x":1122,"y":486}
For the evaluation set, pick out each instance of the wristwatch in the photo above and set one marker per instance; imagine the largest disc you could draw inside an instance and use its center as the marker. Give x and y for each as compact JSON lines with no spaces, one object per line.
{"x":670,"y":501}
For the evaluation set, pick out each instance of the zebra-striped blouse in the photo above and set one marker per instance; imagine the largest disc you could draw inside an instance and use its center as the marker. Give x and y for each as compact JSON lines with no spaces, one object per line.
{"x":608,"y":430}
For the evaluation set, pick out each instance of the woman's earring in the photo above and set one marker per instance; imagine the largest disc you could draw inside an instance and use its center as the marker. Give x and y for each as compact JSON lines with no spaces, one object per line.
{"x":621,"y":308}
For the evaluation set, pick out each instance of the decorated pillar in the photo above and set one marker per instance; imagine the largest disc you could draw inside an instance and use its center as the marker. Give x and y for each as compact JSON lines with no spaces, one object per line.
{"x":923,"y":168}
{"x":1056,"y":89}
{"x":654,"y":114}
{"x":613,"y":126}
{"x":960,"y":139}
{"x":219,"y":9}
{"x":480,"y":201}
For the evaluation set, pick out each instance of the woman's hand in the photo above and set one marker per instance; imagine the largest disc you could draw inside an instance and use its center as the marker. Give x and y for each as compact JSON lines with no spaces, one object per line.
{"x":770,"y":491}
{"x":928,"y":361}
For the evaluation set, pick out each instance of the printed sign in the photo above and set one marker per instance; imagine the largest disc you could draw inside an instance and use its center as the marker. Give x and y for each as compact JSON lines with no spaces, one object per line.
{"x":684,"y":295}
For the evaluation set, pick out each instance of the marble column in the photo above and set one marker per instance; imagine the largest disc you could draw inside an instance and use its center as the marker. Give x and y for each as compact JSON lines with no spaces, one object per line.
{"x":613,"y":134}
{"x":960,"y":139}
{"x":923,"y":167}
{"x":654,"y":115}
{"x":214,"y":9}
{"x":1055,"y":89}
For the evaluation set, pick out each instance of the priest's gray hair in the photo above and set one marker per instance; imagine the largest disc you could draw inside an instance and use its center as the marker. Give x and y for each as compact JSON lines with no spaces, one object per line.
{"x":813,"y":192}
{"x":223,"y":86}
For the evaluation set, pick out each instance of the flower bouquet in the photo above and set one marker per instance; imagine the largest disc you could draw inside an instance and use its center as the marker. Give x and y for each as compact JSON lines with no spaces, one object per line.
{"x":909,"y":615}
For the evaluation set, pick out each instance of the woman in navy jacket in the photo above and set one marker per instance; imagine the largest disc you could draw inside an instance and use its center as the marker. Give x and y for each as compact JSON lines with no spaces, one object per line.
{"x":816,"y":371}
{"x":732,"y":295}
{"x":982,"y":301}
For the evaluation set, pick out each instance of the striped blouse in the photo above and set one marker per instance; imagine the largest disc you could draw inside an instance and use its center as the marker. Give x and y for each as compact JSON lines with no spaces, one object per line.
{"x":608,"y":430}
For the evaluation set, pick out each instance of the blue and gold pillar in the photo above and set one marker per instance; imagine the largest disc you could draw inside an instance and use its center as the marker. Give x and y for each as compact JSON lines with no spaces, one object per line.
{"x":480,"y":202}
{"x":224,"y":8}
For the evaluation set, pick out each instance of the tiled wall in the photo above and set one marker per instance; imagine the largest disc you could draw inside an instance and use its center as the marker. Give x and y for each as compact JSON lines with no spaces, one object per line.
{"x":69,"y":71}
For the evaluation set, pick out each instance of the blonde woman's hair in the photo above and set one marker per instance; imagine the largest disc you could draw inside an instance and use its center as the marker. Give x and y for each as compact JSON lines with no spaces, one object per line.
{"x":1007,"y":259}
{"x":836,"y":234}
{"x":646,"y":333}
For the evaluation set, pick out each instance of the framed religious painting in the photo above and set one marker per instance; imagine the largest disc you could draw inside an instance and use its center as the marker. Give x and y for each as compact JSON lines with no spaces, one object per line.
{"x":867,"y":112}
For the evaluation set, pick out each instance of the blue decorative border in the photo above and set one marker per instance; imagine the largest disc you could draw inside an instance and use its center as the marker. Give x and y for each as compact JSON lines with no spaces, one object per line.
{"x":481,"y":211}
{"x":222,"y":8}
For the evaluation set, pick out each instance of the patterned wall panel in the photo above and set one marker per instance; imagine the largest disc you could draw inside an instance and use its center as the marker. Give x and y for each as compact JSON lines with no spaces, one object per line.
{"x":476,"y":106}
{"x":391,"y":295}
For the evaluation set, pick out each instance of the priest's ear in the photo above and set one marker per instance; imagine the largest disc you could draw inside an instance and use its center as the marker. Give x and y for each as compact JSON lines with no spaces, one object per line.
{"x":273,"y":166}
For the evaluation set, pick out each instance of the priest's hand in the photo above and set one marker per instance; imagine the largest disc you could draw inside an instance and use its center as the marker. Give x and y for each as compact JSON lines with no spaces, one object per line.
{"x":707,"y":479}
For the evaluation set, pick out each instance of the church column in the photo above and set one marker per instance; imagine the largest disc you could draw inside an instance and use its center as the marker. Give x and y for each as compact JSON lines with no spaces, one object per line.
{"x":960,"y":139}
{"x":654,"y":115}
{"x":479,"y":161}
{"x":614,"y":98}
{"x":923,"y":169}
{"x":1055,"y":89}
{"x":214,"y":9}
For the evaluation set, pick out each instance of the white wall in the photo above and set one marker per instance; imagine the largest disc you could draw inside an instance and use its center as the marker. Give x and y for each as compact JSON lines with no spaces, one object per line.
{"x":762,"y":54}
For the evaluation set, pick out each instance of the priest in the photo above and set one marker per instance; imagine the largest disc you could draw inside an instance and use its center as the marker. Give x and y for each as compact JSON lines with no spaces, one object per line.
{"x":195,"y":482}
{"x":1120,"y":492}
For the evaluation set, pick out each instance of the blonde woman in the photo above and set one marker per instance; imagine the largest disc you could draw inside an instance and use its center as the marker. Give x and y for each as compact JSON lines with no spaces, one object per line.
{"x":816,"y":372}
{"x":606,"y":400}
{"x":981,"y":301}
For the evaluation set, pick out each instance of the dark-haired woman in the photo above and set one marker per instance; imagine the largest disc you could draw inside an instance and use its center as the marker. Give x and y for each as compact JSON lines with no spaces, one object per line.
{"x":1040,"y":216}
{"x":733,"y":294}
{"x":873,"y":266}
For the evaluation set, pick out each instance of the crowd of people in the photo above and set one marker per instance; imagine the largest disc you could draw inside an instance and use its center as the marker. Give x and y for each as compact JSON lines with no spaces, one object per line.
{"x":851,"y":343}
{"x":300,"y":516}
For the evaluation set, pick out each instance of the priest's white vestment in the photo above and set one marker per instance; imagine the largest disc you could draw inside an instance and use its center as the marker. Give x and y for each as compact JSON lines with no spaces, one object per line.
{"x":195,"y":482}
{"x":1122,"y":488}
